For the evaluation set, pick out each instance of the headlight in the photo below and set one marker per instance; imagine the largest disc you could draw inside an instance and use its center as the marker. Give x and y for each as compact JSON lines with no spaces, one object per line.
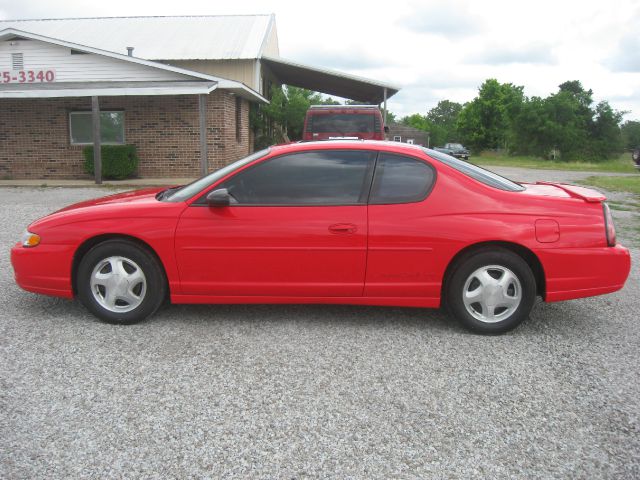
{"x":29,"y":239}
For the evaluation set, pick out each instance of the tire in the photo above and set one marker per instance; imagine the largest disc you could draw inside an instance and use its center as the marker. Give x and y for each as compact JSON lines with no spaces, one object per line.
{"x":501,"y":282}
{"x":134,"y":292}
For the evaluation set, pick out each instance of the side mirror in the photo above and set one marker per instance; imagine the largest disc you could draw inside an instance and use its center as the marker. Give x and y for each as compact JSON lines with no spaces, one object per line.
{"x":219,"y":198}
{"x":386,"y":129}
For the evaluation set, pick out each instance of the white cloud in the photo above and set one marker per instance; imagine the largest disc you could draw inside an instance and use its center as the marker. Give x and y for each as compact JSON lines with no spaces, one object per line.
{"x":627,"y":56}
{"x":443,"y":19}
{"x":535,"y":53}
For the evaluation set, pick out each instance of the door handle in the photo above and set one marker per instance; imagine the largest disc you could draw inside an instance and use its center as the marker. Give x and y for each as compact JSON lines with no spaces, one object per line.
{"x":343,"y":228}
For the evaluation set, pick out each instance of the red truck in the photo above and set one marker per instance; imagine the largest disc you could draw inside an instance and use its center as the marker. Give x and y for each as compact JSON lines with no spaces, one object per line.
{"x":331,"y":122}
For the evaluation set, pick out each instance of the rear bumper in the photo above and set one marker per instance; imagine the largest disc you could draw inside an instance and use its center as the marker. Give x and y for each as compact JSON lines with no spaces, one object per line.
{"x":584,"y":272}
{"x":44,"y":269}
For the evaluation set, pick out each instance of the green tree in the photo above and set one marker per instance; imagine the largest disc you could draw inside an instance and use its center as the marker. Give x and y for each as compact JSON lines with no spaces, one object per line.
{"x":486,"y":121}
{"x":530,"y":129}
{"x":606,"y":137}
{"x":631,"y":134}
{"x":416,"y":121}
{"x":391,"y":117}
{"x":445,"y":113}
{"x":566,"y":122}
{"x":445,"y":117}
{"x":437,"y":133}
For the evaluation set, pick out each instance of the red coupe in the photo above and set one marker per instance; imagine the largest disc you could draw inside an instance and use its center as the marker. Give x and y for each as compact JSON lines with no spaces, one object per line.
{"x":357,"y":222}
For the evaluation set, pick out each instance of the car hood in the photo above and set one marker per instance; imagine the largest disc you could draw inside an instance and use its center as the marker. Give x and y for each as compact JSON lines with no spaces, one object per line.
{"x":126,"y":197}
{"x":133,"y":203}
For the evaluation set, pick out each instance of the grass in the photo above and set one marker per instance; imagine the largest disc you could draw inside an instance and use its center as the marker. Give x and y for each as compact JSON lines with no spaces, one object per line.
{"x":622,"y":164}
{"x":614,"y":184}
{"x":621,"y":206}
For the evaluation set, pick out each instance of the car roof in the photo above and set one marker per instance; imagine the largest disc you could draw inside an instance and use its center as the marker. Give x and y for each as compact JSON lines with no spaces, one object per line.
{"x":349,"y":144}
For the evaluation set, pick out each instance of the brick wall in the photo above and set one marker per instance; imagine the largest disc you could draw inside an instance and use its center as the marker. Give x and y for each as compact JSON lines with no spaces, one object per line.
{"x":34,"y":134}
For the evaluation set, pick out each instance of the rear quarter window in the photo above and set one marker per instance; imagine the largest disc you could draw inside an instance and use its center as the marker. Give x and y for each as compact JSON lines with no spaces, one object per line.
{"x":477,"y":173}
{"x":401,"y":179}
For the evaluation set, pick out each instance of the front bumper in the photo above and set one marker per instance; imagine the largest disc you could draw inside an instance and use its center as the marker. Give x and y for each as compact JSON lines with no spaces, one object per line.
{"x":44,"y":269}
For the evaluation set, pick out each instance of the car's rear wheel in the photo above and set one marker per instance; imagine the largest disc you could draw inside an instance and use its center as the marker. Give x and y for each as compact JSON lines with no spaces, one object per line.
{"x":491,"y":291}
{"x":120,"y":282}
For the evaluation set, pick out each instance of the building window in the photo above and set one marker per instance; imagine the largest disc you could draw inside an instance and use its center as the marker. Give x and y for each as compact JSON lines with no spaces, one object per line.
{"x":17,"y":61}
{"x":397,"y":138}
{"x":238,"y":118}
{"x":111,"y":128}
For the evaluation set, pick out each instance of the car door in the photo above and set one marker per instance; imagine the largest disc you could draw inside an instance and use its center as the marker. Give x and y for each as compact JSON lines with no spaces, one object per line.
{"x":297,"y":226}
{"x":402,"y":243}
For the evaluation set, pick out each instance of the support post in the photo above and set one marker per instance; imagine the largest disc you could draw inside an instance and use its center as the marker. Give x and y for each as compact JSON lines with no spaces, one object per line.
{"x":202,"y":106}
{"x":97,"y":147}
{"x":385,"y":106}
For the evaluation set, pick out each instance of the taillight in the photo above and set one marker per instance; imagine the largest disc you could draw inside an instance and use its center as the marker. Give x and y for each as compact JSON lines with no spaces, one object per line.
{"x":609,"y":227}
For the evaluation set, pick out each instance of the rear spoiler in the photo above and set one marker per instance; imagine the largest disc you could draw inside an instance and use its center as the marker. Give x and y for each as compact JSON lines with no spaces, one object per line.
{"x":586,"y":194}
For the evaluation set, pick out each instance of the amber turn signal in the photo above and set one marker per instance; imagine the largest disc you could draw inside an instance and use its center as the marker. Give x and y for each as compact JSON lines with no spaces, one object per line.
{"x":30,"y":239}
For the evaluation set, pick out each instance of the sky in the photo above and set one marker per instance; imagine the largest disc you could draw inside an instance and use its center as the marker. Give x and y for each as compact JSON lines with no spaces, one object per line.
{"x":432,"y":50}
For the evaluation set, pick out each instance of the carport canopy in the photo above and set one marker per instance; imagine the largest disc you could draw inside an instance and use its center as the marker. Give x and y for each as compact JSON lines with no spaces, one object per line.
{"x":329,"y":82}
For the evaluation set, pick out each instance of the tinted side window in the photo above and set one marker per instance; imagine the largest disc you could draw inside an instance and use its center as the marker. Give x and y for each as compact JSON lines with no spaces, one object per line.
{"x":326,"y":177}
{"x":401,"y":179}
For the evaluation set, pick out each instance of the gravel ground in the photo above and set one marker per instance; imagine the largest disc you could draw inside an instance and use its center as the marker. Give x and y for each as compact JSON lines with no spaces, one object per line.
{"x":310,"y":391}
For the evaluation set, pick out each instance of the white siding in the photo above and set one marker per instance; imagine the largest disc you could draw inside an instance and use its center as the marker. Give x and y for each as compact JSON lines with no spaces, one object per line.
{"x":79,"y":68}
{"x":238,"y":70}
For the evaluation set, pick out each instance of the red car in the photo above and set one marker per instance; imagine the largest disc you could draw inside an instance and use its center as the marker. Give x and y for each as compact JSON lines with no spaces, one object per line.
{"x":331,"y":122}
{"x":355,"y":222}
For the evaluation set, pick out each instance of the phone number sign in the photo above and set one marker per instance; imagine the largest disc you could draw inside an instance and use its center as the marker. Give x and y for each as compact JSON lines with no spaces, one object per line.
{"x":28,"y":76}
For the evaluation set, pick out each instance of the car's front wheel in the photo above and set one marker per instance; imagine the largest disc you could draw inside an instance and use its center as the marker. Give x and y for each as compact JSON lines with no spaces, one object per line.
{"x":120,"y":282}
{"x":491,"y":291}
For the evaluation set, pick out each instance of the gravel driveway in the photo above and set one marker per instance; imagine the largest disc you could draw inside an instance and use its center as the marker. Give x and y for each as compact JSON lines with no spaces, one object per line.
{"x":311,"y":391}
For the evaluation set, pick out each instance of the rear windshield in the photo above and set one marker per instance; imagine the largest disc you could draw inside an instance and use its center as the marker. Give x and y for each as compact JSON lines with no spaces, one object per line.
{"x":480,"y":174}
{"x":341,"y":123}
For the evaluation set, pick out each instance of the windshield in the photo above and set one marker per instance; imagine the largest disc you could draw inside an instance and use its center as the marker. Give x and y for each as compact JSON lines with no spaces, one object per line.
{"x":188,"y":191}
{"x":480,"y":174}
{"x":341,"y":122}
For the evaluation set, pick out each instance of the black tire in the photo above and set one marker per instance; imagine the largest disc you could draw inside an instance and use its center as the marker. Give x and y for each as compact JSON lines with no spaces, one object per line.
{"x":498,"y":309}
{"x":143,"y":295}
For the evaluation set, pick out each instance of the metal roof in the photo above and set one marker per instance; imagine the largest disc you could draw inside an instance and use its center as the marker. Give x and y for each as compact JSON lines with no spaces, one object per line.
{"x":208,"y":83}
{"x":329,"y":81}
{"x":161,"y":38}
